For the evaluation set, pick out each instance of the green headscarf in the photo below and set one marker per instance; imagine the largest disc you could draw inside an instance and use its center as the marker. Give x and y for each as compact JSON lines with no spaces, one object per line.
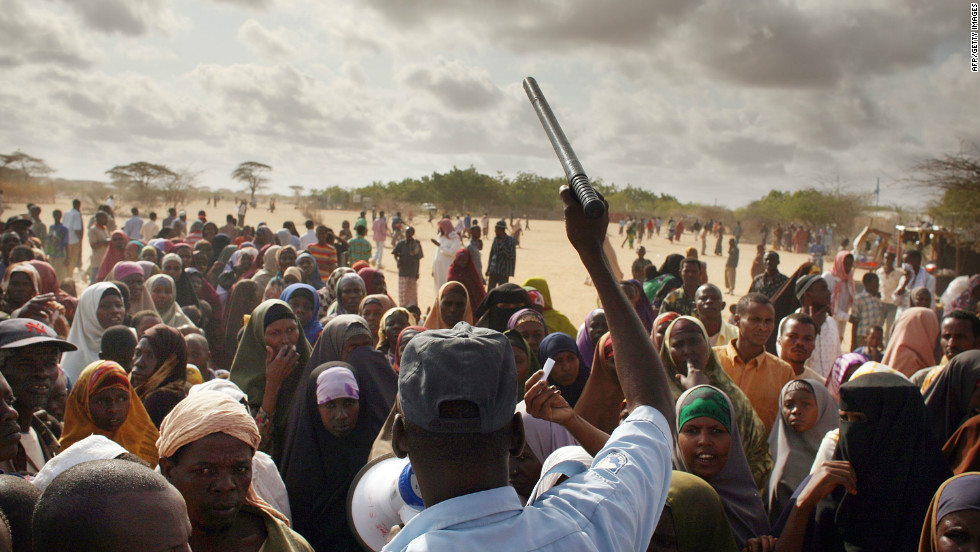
{"x":248,"y":369}
{"x":705,"y":402}
{"x":700,"y":523}
{"x":755,"y":440}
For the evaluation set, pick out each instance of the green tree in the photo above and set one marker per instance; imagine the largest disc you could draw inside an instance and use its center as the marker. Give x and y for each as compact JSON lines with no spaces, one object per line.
{"x":252,"y":174}
{"x":955,"y":179}
{"x":141,"y":180}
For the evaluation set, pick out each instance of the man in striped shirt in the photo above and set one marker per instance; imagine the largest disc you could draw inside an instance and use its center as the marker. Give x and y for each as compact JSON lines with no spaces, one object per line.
{"x":323,"y":251}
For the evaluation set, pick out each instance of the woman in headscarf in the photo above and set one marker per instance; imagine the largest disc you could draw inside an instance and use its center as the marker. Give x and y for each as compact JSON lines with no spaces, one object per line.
{"x":114,"y":253}
{"x":372,"y":308}
{"x":274,"y":335}
{"x":132,"y":250}
{"x":693,"y":518}
{"x":709,"y":447}
{"x":274,"y":289}
{"x":305,"y":303}
{"x":569,"y":373}
{"x":451,"y":307}
{"x":49,"y":284}
{"x":844,"y":366}
{"x":149,"y":268}
{"x":263,"y":236}
{"x":531,"y":326}
{"x":20,"y":284}
{"x":203,"y":290}
{"x":807,"y":413}
{"x":350,"y":291}
{"x":270,"y":266}
{"x":103,"y":402}
{"x":160,"y":370}
{"x":660,"y":325}
{"x":218,"y":245}
{"x":347,"y":338}
{"x":242,"y":301}
{"x":634,"y":292}
{"x":404,"y":337}
{"x":500,"y":304}
{"x":329,"y":292}
{"x":954,"y":396}
{"x":840,"y":280}
{"x":555,"y":320}
{"x":150,"y":253}
{"x":99,"y":307}
{"x":912,"y":345}
{"x":319,"y":466}
{"x":311,"y":272}
{"x":524,"y":358}
{"x":172,"y":265}
{"x":447,"y":244}
{"x":162,"y":291}
{"x":285,"y":238}
{"x":285,"y":258}
{"x":953,"y":519}
{"x":131,"y":274}
{"x":292,"y":275}
{"x":393,"y":321}
{"x":464,"y":271}
{"x":374,"y":280}
{"x":967,"y":300}
{"x":668,"y":279}
{"x":589,"y":333}
{"x":897,"y":467}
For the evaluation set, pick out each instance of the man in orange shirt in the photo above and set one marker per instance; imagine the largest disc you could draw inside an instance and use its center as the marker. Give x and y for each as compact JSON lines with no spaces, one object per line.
{"x":760,"y":375}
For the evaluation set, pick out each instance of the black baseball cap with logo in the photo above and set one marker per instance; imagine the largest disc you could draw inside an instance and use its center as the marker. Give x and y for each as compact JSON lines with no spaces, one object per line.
{"x":23,"y":332}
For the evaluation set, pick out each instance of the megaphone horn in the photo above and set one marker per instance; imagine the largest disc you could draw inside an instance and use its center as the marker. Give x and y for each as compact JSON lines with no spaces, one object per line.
{"x":383,"y":494}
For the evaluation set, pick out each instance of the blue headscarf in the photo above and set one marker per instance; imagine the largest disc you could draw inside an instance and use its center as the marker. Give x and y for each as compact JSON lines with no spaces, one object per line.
{"x":315,"y":279}
{"x":313,"y":329}
{"x":558,"y":342}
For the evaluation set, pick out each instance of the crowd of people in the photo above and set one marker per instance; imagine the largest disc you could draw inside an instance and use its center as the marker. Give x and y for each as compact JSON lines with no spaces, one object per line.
{"x":206,"y":387}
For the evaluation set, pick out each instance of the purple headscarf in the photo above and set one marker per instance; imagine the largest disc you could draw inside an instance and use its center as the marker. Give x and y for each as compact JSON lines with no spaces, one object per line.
{"x":586,"y":347}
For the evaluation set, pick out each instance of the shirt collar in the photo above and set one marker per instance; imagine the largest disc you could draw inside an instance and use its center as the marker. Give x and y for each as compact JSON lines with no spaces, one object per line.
{"x":458,"y":510}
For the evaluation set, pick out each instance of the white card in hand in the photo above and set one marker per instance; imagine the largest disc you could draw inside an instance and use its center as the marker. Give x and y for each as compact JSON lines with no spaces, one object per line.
{"x":548,"y":365}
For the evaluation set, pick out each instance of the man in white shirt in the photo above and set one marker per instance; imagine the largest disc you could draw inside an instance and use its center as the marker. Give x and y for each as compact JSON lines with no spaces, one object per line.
{"x":457,"y":425}
{"x":73,"y":221}
{"x":919,"y":278}
{"x":309,"y":238}
{"x":134,"y":225}
{"x":150,"y":228}
{"x":888,"y":280}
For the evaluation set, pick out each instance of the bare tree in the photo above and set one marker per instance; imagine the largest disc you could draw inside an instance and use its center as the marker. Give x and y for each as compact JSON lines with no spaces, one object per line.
{"x":955,"y":178}
{"x":141,"y":180}
{"x":174,"y":191}
{"x":251,"y":173}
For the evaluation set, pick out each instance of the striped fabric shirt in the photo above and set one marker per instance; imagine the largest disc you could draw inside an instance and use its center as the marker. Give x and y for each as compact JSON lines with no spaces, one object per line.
{"x":503,"y":256}
{"x":325,"y":255}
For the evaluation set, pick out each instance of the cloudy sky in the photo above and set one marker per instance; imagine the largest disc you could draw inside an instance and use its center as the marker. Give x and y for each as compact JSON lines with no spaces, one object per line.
{"x":709,"y":100}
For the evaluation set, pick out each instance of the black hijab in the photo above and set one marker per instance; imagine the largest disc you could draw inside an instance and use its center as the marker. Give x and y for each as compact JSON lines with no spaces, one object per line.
{"x":489,"y":316}
{"x":318,"y":468}
{"x":898,"y":464}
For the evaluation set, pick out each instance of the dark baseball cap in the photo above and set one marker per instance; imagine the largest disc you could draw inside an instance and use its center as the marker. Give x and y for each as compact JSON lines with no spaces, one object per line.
{"x":23,"y":332}
{"x":465,"y":363}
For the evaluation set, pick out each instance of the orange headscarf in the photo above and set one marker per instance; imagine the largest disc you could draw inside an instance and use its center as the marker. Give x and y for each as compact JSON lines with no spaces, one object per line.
{"x":913,"y":342}
{"x":207,"y":412}
{"x":434,"y":320}
{"x":137,"y":434}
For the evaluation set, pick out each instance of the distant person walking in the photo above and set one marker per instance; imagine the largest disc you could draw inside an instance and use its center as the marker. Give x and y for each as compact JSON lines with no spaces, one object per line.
{"x":503,"y":257}
{"x":380,"y":234}
{"x":73,"y":221}
{"x":408,"y":254}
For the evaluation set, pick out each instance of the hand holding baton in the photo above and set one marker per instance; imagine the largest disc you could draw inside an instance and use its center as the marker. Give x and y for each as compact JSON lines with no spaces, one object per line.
{"x":578,"y":181}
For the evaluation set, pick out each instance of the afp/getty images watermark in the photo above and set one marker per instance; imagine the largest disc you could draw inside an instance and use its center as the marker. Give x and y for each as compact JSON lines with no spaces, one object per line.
{"x":974,"y":37}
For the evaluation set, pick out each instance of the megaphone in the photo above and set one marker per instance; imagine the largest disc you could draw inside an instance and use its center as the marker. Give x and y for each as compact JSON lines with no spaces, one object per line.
{"x":383,"y":494}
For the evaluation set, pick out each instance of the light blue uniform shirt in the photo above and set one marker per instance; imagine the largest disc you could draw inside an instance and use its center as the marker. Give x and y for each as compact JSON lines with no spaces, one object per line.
{"x":614,"y":505}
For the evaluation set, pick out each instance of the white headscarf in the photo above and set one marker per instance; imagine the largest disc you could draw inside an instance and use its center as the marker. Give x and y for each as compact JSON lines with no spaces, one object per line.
{"x":86,"y":332}
{"x":172,"y":315}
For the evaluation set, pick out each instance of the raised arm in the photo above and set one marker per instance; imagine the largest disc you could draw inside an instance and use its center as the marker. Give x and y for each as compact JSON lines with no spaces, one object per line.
{"x":641,"y":375}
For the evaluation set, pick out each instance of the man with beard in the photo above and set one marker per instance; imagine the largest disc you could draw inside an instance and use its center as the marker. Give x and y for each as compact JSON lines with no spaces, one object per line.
{"x":206,"y":446}
{"x":29,"y":355}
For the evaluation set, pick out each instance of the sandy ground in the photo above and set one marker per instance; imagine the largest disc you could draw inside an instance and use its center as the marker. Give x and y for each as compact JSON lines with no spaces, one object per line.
{"x":544,"y":252}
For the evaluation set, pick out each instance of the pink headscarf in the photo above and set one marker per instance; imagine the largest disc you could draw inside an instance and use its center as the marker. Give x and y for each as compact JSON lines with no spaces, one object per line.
{"x":843,"y":279}
{"x":913,"y":341}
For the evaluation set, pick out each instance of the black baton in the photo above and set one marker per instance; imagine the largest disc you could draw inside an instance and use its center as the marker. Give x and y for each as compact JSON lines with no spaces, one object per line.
{"x":578,"y":181}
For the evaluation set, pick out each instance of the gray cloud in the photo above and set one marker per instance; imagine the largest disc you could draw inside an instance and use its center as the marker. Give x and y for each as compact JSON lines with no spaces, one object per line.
{"x":271,"y":44}
{"x":32,"y":34}
{"x":125,"y":17}
{"x":455,"y":84}
{"x":249,"y":4}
